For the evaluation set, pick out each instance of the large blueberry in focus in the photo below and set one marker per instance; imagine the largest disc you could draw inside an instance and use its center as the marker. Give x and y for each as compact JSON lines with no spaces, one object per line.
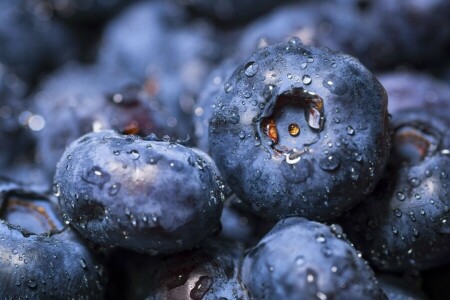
{"x":300,"y":259}
{"x":300,"y":131}
{"x":142,"y":194}
{"x":41,"y":258}
{"x":404,"y":224}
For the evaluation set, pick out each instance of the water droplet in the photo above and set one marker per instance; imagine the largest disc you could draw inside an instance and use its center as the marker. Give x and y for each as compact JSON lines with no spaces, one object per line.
{"x":329,"y":163}
{"x":114,"y":189}
{"x":251,"y":68}
{"x":32,"y":284}
{"x":294,"y":41}
{"x":320,"y":238}
{"x":96,"y":176}
{"x":300,"y":261}
{"x":398,"y":212}
{"x":14,"y":251}
{"x":289,"y":76}
{"x":310,"y":276}
{"x":354,"y":174}
{"x":304,"y":65}
{"x":394,"y":230}
{"x":445,"y":152}
{"x":400,"y":196}
{"x":57,"y":189}
{"x":201,"y":287}
{"x":321,"y":296}
{"x":242,"y":135}
{"x":414,"y":182}
{"x":268,"y":91}
{"x":83,"y":263}
{"x":294,"y":129}
{"x":134,"y":154}
{"x":176,"y":165}
{"x":228,"y":87}
{"x":310,"y":59}
{"x":306,"y":79}
{"x":246,"y":93}
{"x":350,"y":130}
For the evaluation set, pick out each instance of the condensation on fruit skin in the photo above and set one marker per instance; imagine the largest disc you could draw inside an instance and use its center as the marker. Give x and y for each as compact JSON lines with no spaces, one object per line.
{"x":109,"y":192}
{"x":342,"y":273}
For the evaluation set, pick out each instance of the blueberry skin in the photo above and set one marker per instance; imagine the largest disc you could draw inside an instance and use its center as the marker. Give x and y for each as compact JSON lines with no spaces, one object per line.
{"x":145,"y":195}
{"x":328,"y":24}
{"x":301,"y":259}
{"x":230,"y":13}
{"x":404,"y":224}
{"x":209,"y":272}
{"x":89,"y":98}
{"x":176,"y":66}
{"x":338,"y":155}
{"x":389,"y":33}
{"x":81,"y":10}
{"x":31,"y":42}
{"x":38,"y":265}
{"x":204,"y":107}
{"x":13,"y":136}
{"x":408,"y":90}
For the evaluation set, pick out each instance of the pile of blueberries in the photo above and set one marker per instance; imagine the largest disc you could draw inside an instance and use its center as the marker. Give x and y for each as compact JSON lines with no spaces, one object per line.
{"x":224,"y":149}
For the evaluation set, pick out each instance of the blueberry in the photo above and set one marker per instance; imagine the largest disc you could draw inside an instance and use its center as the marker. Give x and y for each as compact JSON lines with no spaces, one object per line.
{"x":408,"y":90}
{"x":388,"y":33}
{"x":326,"y":24}
{"x":230,"y":12}
{"x":175,"y":66}
{"x":146,"y":195}
{"x":84,"y":11}
{"x":209,"y":272}
{"x":13,"y":135}
{"x":404,"y":224}
{"x":31,"y":42}
{"x":79,"y":99}
{"x":35,"y":262}
{"x":291,"y":141}
{"x":300,"y":257}
{"x":418,"y":31}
